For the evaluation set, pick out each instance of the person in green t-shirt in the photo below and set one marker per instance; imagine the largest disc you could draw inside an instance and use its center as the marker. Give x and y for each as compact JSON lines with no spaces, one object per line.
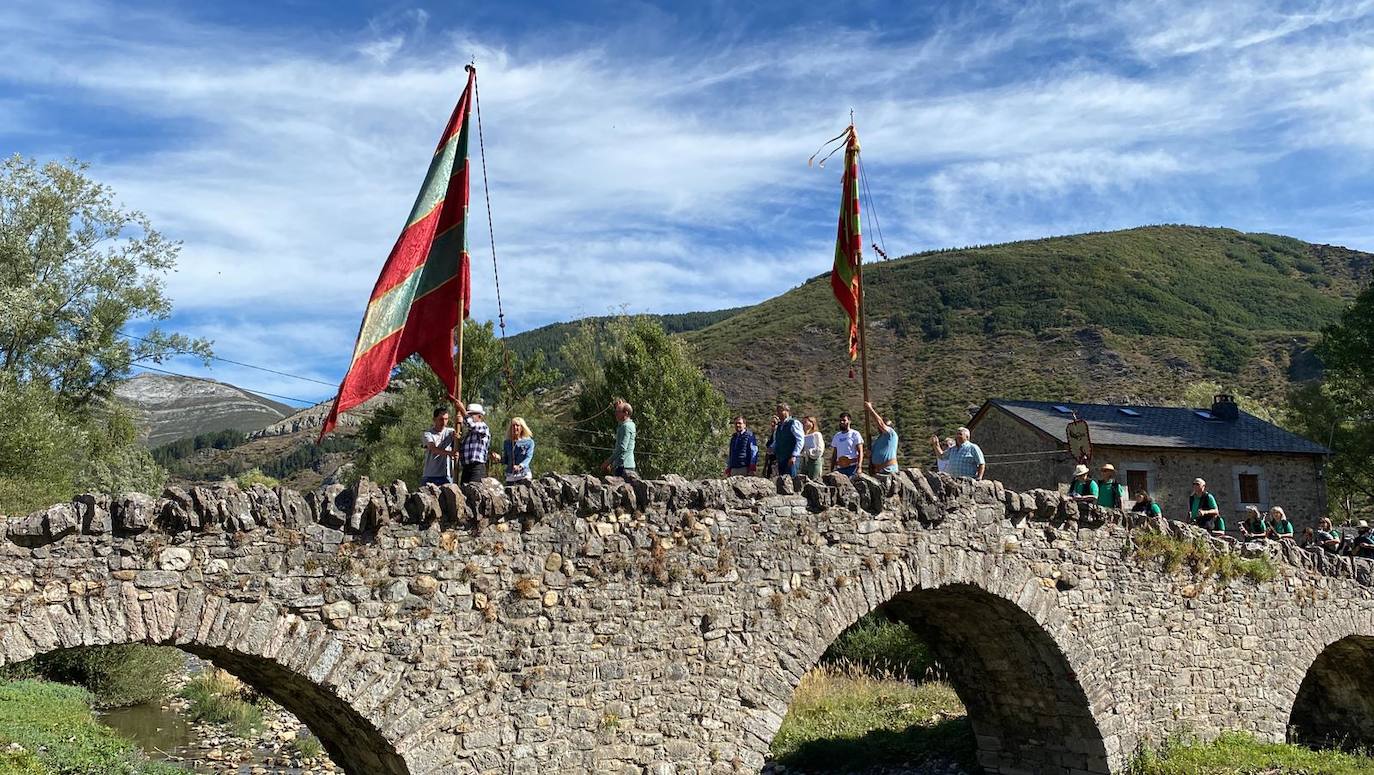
{"x":622,"y":459}
{"x":1202,"y":504}
{"x":1111,"y":493}
{"x":1254,"y":527}
{"x":1279,"y":526}
{"x":1145,"y":504}
{"x":1083,"y":489}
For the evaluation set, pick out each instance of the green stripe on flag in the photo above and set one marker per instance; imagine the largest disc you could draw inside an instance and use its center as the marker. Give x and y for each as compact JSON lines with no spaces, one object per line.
{"x":388,"y":313}
{"x":442,"y":168}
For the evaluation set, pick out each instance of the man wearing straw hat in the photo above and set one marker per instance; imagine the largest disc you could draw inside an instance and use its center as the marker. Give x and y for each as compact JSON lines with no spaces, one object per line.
{"x":1111,"y":493}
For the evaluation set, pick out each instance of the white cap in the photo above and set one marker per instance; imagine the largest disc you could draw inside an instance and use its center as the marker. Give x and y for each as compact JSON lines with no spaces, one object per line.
{"x":476,"y":409}
{"x":1080,"y":470}
{"x":1199,"y":481}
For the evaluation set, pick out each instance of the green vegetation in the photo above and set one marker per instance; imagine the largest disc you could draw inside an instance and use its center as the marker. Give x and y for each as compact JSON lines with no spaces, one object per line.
{"x":882,"y":648}
{"x":253,"y":476}
{"x":307,"y":746}
{"x":169,"y":453}
{"x":57,"y":735}
{"x":1339,"y":410}
{"x":283,"y":466}
{"x":846,"y":719}
{"x":219,"y":698}
{"x":1236,"y":753}
{"x":679,"y":415}
{"x":1199,"y":559}
{"x":78,"y":270}
{"x":116,"y":676}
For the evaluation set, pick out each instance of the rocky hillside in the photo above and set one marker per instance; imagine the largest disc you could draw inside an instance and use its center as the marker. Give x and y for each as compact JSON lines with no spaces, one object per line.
{"x":174,"y":407}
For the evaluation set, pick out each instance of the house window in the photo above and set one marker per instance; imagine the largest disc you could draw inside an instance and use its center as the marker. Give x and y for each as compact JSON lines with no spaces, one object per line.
{"x":1137,"y":481}
{"x":1249,"y":488}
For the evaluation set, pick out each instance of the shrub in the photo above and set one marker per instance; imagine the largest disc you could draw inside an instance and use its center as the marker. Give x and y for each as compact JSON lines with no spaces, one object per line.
{"x":219,"y":698}
{"x":247,"y":479}
{"x":55,"y":732}
{"x":307,"y":746}
{"x":1233,"y":753}
{"x":116,"y":676}
{"x":881,"y":647}
{"x":1200,"y":559}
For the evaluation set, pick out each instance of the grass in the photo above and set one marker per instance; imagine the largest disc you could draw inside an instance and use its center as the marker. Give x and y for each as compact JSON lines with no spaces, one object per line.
{"x":842,"y":717}
{"x":883,"y":648}
{"x":307,"y":746}
{"x":1236,"y":753}
{"x":57,"y":735}
{"x":219,"y":698}
{"x":1198,"y":558}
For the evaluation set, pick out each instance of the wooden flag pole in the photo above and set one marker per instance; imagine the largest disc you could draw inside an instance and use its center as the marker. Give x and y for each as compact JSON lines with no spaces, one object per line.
{"x":458,"y":370}
{"x":863,"y":323}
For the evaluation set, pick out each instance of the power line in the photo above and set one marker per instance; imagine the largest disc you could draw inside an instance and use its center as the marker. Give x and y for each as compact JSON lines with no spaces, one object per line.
{"x":241,"y":363}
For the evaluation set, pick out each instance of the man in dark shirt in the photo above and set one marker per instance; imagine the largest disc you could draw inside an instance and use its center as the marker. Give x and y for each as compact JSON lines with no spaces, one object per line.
{"x":743,"y":457}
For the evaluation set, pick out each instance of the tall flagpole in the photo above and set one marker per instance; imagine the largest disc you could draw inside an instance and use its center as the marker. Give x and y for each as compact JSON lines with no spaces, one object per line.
{"x":863,"y":320}
{"x":462,"y":313}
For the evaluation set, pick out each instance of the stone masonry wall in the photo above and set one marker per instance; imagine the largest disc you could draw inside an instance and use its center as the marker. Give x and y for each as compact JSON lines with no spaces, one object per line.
{"x":598,"y":625}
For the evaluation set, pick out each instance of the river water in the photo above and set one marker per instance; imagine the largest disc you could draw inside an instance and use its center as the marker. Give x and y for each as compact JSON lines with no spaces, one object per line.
{"x":165,"y":734}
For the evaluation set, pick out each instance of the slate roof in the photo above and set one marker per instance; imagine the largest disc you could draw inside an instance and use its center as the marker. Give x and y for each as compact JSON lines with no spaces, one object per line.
{"x":1159,"y":426}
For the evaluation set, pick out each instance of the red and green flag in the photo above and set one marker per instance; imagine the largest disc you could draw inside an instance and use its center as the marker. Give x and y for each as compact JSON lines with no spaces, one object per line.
{"x":425,"y":288}
{"x":845,"y":277}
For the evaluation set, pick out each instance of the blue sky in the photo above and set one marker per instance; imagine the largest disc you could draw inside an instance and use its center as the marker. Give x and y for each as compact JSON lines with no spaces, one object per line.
{"x":651,"y":157}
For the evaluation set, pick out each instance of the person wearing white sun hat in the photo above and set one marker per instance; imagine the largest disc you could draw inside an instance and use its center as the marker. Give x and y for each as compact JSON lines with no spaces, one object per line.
{"x":1083,"y":489}
{"x":476,"y":447}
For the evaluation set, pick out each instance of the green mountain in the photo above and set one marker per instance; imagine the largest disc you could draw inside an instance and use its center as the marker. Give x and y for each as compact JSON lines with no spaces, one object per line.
{"x":1134,"y":315}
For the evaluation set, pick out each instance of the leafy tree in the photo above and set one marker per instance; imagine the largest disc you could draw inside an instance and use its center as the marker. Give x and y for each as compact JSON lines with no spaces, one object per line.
{"x":76,"y":269}
{"x":679,"y":415}
{"x":1339,"y":411}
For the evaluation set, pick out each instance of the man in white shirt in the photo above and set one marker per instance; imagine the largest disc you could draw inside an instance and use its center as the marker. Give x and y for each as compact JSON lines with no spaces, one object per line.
{"x":846,"y":449}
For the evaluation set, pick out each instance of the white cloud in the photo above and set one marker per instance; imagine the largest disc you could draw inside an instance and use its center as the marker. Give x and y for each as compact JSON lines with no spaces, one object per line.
{"x":667,"y":181}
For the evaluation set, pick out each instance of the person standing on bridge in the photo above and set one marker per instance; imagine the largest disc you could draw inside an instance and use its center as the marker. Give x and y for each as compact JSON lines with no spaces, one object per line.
{"x":622,"y":459}
{"x":1083,"y":489}
{"x":439,"y":453}
{"x":476,"y":445}
{"x":743,"y":457}
{"x":787,"y":441}
{"x":813,"y":448}
{"x":884,"y":456}
{"x":518,"y":451}
{"x":965,"y":458}
{"x":1280,"y":528}
{"x":1111,"y":494}
{"x":1202,"y":505}
{"x":846,"y":448}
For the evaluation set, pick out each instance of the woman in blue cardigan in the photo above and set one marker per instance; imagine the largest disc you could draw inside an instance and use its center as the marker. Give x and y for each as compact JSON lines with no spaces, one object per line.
{"x":519,"y":451}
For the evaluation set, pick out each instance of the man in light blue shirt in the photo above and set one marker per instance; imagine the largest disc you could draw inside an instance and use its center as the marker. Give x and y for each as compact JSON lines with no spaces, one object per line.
{"x":883,"y":458}
{"x":965,"y":458}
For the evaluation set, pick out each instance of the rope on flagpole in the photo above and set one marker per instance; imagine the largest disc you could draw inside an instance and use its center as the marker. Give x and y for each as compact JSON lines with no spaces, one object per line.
{"x":491,"y":234}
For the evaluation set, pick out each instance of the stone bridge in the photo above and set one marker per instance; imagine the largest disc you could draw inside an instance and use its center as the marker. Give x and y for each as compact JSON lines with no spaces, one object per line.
{"x":598,"y":625}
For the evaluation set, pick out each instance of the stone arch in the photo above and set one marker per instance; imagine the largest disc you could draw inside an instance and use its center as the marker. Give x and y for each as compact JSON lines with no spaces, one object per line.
{"x":1334,"y":706}
{"x":302,"y":666}
{"x":1008,"y":655}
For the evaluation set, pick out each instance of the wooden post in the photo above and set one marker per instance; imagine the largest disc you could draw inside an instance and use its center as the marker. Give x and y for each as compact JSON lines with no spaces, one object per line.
{"x":863,"y":361}
{"x":458,"y":371}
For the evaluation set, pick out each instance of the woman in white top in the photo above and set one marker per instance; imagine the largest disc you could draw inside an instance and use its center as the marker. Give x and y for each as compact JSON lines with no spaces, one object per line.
{"x":813,"y":446}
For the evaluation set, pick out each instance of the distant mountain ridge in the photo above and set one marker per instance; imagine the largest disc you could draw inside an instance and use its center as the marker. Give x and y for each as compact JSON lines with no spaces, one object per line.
{"x":173,"y":407}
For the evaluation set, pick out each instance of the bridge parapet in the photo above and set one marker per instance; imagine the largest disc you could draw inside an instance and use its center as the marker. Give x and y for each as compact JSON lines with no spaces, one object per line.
{"x":659,"y":626}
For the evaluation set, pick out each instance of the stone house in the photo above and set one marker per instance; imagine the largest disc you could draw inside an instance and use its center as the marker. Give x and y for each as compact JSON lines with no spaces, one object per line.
{"x":1245,"y":460}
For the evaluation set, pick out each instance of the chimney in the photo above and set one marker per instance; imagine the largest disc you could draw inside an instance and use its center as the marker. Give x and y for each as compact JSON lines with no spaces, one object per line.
{"x":1224,"y":407}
